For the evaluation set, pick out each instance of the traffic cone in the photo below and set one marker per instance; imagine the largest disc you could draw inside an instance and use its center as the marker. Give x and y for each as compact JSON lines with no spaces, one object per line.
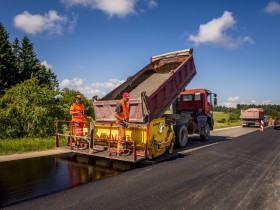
{"x":262,"y":125}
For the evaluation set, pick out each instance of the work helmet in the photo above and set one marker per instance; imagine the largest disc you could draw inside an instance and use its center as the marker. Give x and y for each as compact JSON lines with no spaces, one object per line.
{"x":126,"y":95}
{"x":78,"y":96}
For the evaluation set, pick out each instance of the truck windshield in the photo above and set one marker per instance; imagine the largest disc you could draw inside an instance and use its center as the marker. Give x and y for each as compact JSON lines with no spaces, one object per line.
{"x":197,"y":96}
{"x":209,"y":98}
{"x":187,"y":97}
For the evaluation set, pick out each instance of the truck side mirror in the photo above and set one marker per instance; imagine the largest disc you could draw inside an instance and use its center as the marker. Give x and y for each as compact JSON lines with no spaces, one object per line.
{"x":215,"y":101}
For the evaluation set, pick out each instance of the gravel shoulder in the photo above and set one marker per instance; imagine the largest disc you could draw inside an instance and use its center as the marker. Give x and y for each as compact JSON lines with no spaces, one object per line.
{"x":31,"y":155}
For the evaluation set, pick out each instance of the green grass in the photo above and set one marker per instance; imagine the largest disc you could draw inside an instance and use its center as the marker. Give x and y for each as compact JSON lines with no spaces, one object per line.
{"x":220,"y":115}
{"x":23,"y":145}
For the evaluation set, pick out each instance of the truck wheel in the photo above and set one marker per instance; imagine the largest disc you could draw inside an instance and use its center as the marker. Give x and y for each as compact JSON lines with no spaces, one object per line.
{"x":181,"y":133}
{"x":205,"y":136}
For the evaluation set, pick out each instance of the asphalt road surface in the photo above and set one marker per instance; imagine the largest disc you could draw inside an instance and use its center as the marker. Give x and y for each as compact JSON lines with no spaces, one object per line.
{"x":228,"y":172}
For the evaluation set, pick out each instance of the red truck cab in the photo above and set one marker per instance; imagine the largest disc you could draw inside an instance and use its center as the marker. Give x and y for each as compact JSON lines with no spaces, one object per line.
{"x":198,"y":101}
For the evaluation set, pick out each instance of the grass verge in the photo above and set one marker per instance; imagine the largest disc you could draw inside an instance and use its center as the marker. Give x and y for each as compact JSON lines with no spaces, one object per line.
{"x":23,"y":145}
{"x":221,"y":116}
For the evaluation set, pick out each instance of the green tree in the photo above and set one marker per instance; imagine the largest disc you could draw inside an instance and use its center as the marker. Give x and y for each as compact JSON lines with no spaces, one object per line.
{"x":233,"y":117}
{"x":29,"y":110}
{"x":16,"y":49}
{"x":8,"y":70}
{"x":274,"y":114}
{"x":47,"y":77}
{"x":30,"y":66}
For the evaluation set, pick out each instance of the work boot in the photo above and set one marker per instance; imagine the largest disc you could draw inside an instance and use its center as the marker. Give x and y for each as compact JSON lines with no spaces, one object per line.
{"x":78,"y":144}
{"x":127,"y":152}
{"x":119,"y":149}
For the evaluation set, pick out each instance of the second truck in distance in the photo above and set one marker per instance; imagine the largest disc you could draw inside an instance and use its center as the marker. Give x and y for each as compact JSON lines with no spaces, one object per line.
{"x":252,"y":117}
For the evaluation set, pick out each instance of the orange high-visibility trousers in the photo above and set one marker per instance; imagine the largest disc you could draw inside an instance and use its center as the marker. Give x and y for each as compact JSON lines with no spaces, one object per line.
{"x":121,"y":138}
{"x":77,"y":128}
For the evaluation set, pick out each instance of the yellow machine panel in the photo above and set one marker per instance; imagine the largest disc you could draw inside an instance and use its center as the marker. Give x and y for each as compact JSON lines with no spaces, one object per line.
{"x":105,"y":133}
{"x":161,"y":138}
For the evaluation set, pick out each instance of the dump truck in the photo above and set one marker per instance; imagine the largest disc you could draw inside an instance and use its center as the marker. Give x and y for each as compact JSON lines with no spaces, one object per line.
{"x":252,"y":117}
{"x":161,"y":112}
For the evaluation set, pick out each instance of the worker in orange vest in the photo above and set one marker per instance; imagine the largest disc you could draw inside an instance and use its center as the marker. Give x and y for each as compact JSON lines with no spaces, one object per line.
{"x":270,"y":121}
{"x":77,"y":110}
{"x":122,"y":118}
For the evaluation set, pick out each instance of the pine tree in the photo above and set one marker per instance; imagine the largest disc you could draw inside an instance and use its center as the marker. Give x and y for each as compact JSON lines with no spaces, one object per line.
{"x":30,"y":66}
{"x":8,"y":70}
{"x":16,"y":48}
{"x":47,"y":77}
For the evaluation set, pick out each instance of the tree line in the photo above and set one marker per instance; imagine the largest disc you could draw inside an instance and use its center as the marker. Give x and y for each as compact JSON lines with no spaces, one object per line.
{"x":30,"y":98}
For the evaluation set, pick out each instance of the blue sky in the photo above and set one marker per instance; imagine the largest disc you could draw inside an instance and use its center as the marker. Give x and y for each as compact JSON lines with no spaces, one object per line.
{"x":94,"y":45}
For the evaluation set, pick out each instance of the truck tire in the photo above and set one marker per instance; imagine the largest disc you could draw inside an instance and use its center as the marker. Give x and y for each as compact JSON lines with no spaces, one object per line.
{"x":205,"y":136}
{"x":181,"y":133}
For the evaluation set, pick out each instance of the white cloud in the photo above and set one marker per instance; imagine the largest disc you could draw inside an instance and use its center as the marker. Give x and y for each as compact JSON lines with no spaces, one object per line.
{"x":230,"y":102}
{"x":152,"y":3}
{"x":120,"y":8}
{"x":49,"y":22}
{"x":253,"y":102}
{"x":272,"y":8}
{"x":234,"y":100}
{"x":89,"y":90}
{"x":48,"y":66}
{"x":266,"y":102}
{"x":76,"y":82}
{"x":215,"y":32}
{"x":73,"y":22}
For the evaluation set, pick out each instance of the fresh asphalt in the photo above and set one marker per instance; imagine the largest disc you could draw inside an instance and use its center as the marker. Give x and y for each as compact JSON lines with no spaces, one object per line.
{"x":229,"y":172}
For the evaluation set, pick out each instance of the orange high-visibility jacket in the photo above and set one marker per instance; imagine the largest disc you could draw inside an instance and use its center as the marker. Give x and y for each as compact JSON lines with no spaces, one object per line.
{"x":124,"y":114}
{"x":77,"y":117}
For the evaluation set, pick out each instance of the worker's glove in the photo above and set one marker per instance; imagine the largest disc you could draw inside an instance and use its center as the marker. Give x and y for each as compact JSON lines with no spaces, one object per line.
{"x":124,"y":120}
{"x":124,"y":125}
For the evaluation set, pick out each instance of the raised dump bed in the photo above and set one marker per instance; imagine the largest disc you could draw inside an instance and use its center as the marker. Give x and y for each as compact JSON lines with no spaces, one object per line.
{"x":252,"y":113}
{"x":153,"y":89}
